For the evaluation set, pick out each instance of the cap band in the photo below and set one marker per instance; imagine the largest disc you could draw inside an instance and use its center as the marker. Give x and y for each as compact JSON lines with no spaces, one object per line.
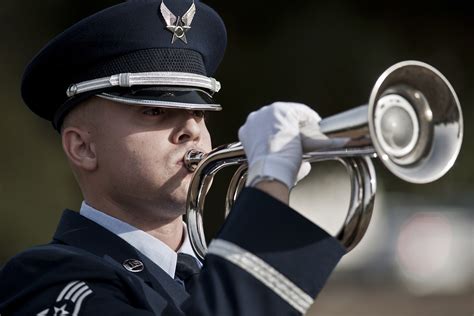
{"x":165,"y":78}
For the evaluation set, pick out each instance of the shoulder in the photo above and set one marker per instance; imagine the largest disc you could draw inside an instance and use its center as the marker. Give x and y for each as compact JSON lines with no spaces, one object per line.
{"x":55,"y":249}
{"x":51,"y":257}
{"x":58,"y":279}
{"x":51,"y":264}
{"x":51,"y":273}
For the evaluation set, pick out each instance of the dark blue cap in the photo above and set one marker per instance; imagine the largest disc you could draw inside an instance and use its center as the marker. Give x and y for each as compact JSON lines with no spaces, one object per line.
{"x":160,"y":53}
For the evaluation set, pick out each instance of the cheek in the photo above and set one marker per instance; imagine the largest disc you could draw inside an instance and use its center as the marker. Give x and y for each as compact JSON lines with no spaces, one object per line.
{"x":206,"y":141}
{"x":134,"y":156}
{"x":146,"y":153}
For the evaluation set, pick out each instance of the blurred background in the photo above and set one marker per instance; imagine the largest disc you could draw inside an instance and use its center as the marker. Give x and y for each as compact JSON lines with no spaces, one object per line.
{"x":418,"y":256}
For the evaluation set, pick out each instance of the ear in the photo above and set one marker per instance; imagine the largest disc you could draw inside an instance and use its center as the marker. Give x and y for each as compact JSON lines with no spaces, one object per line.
{"x":79,"y":148}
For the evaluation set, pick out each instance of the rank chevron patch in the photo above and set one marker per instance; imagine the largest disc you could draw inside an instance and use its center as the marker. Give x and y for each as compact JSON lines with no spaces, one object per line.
{"x":69,"y":300}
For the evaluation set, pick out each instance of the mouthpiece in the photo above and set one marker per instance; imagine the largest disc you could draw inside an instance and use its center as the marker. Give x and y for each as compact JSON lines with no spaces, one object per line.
{"x":192,"y":158}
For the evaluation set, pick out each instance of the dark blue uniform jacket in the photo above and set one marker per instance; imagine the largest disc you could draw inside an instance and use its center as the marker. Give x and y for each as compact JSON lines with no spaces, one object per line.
{"x":284,"y":260}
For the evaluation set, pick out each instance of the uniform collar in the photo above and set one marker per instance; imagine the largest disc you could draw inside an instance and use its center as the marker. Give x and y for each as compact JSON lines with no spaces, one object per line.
{"x":156,"y":250}
{"x":77,"y":231}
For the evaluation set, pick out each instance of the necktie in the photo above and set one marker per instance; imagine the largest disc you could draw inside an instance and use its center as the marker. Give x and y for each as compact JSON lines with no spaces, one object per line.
{"x":187,"y":270}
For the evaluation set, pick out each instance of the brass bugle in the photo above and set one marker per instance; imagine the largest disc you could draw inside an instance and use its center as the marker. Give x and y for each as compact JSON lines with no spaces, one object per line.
{"x":412,"y":123}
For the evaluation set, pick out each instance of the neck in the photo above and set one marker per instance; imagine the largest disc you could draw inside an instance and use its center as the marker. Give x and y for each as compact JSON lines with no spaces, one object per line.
{"x":168,"y":230}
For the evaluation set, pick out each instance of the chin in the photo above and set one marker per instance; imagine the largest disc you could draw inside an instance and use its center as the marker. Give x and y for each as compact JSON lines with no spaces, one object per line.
{"x":178,"y":198}
{"x":173,"y":195}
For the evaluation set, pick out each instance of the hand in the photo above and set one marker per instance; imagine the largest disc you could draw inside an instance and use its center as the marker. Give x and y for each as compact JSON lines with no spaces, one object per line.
{"x":272,"y":141}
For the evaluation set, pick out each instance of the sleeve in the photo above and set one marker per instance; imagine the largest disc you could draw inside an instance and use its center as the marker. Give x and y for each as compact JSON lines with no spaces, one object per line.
{"x":266,"y":260}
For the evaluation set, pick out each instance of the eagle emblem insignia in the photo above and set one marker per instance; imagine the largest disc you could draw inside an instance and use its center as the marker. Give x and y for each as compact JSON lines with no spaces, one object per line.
{"x":176,"y":24}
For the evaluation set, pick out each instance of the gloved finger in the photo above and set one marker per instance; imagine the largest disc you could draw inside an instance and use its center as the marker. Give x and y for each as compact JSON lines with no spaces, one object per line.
{"x":304,"y":115}
{"x":305,"y":169}
{"x":272,"y":143}
{"x":312,"y":139}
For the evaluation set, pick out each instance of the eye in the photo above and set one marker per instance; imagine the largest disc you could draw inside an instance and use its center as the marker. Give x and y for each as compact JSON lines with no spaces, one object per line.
{"x":154,"y":111}
{"x":198,"y":113}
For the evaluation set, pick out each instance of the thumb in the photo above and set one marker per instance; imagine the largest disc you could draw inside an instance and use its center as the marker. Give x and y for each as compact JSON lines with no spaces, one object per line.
{"x":305,"y":169}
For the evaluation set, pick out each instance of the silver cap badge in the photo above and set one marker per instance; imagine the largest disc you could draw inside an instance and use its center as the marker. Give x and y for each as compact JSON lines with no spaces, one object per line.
{"x":178,"y":25}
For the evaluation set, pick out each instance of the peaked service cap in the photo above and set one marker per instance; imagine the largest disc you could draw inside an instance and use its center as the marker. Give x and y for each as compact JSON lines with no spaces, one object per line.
{"x":145,"y":52}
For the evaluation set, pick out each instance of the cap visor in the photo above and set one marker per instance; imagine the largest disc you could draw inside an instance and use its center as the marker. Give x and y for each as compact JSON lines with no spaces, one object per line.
{"x":166,"y":97}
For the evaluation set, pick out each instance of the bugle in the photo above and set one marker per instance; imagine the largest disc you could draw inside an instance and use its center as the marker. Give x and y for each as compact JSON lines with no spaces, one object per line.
{"x":412,"y":123}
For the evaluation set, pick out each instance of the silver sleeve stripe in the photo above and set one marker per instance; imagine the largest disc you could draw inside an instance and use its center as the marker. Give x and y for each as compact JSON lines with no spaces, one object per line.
{"x":43,"y":312}
{"x":163,"y":78}
{"x":79,"y":292}
{"x":65,"y":290}
{"x":77,"y":308}
{"x":262,"y":271}
{"x":73,"y":291}
{"x":76,"y":287}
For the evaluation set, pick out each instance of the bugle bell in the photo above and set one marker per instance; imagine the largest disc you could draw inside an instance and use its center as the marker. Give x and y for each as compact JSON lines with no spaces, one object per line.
{"x":412,"y":123}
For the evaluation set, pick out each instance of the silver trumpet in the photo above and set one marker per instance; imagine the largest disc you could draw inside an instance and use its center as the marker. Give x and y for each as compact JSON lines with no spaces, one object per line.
{"x":412,"y":123}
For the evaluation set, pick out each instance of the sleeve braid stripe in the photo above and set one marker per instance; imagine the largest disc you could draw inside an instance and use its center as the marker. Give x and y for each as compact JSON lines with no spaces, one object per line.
{"x":263,"y":272}
{"x":77,"y":308}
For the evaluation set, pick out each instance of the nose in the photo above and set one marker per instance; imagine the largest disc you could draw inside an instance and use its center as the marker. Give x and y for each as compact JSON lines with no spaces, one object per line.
{"x":189,"y":129}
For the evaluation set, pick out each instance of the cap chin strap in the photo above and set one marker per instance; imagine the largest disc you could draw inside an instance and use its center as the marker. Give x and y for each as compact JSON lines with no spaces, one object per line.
{"x":164,"y":78}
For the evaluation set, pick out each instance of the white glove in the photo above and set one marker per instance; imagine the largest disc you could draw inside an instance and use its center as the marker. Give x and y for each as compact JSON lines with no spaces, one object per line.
{"x":272,"y":141}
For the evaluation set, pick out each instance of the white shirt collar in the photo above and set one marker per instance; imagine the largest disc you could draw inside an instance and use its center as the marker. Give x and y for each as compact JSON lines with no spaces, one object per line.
{"x":156,"y":250}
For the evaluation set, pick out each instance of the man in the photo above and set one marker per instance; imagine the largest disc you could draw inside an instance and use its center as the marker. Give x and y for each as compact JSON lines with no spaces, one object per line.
{"x":127,"y":89}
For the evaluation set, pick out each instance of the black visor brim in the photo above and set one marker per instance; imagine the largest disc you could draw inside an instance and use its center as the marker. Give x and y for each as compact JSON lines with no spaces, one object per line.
{"x":168,"y":97}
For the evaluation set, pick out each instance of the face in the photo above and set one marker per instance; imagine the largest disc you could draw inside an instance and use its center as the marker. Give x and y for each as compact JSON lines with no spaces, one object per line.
{"x":140,"y":154}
